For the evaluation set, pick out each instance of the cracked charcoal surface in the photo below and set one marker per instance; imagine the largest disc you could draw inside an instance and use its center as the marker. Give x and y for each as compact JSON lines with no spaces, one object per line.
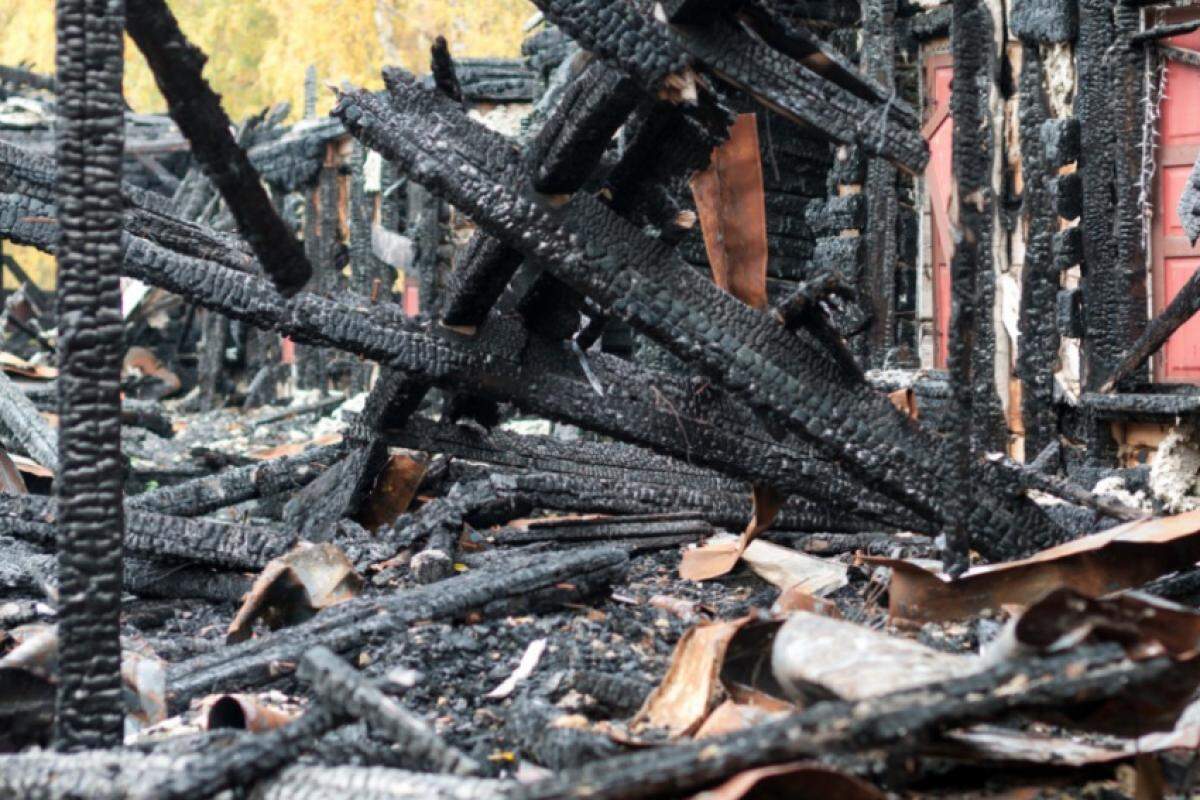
{"x":196,"y":109}
{"x":646,"y":302}
{"x":1037,"y":354}
{"x":89,"y":145}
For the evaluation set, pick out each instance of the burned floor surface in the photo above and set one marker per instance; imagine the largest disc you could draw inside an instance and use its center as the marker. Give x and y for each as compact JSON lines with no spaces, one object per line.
{"x":553,"y":427}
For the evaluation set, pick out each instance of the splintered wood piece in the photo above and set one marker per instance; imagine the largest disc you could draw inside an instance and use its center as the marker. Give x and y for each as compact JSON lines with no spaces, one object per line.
{"x":733,"y":214}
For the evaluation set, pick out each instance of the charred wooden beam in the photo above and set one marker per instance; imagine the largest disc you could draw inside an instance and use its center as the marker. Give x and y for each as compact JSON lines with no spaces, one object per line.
{"x":971,"y":39}
{"x":334,"y":783}
{"x":561,"y":157}
{"x":158,"y":536}
{"x":1159,"y":31}
{"x":338,"y":685}
{"x":1031,"y":478}
{"x":89,"y":147}
{"x":177,"y":65}
{"x":640,"y":279}
{"x":1039,"y":684}
{"x":348,"y":626}
{"x":337,"y":493}
{"x":441,"y":66}
{"x":1109,"y":328}
{"x":1183,"y":306}
{"x":1037,"y":350}
{"x":881,"y":234}
{"x":254,"y":758}
{"x":20,"y":420}
{"x":200,"y":496}
{"x":660,"y":58}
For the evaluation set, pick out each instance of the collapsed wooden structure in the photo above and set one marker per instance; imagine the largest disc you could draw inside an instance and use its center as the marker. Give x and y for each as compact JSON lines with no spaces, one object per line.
{"x":902,"y":230}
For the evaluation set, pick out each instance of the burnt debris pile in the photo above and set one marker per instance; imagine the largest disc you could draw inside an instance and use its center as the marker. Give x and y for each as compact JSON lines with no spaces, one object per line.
{"x":717,"y":400}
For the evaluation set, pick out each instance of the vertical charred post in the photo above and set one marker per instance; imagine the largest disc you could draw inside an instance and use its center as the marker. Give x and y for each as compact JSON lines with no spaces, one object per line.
{"x":90,"y":141}
{"x":321,"y":242}
{"x":1093,"y":107}
{"x":879,"y":62}
{"x":971,"y":41}
{"x":1038,"y":345}
{"x":177,"y":65}
{"x":1128,"y":77}
{"x":363,"y":270}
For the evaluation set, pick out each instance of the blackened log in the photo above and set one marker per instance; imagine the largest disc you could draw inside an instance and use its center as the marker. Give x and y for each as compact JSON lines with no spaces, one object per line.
{"x":320,"y":242}
{"x":633,"y":526}
{"x":157,"y":536}
{"x":366,"y":276}
{"x":338,"y":685}
{"x":196,"y":109}
{"x":620,"y":694}
{"x":1038,"y":22}
{"x":1040,"y":684}
{"x":879,"y":61}
{"x":1037,"y":347}
{"x":481,"y":271}
{"x":657,"y":55}
{"x":235,"y":485}
{"x":1109,"y":330}
{"x":174,"y":581}
{"x":441,"y":66}
{"x":569,"y":145}
{"x":1159,"y":31}
{"x":20,"y":421}
{"x":1183,"y":306}
{"x":348,"y":626}
{"x":1060,"y":141}
{"x":561,"y":157}
{"x":254,"y":758}
{"x":339,"y":782}
{"x":1065,"y":489}
{"x":25,"y":570}
{"x":622,"y":270}
{"x":971,"y":38}
{"x":338,"y":493}
{"x":393,"y":399}
{"x":89,"y":147}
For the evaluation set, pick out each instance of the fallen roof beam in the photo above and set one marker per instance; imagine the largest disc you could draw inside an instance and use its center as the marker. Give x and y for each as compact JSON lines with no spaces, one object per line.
{"x":177,"y":65}
{"x":1183,"y":306}
{"x":640,"y":279}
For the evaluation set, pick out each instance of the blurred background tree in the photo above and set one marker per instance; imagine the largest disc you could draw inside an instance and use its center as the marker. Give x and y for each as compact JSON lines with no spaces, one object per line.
{"x":259,"y":50}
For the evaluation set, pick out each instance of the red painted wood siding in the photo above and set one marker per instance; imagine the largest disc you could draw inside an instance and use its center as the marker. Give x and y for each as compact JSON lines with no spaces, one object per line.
{"x":939,"y":187}
{"x":1174,"y":258}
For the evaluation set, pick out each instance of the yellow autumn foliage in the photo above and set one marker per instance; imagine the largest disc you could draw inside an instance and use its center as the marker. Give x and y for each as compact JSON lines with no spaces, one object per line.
{"x":259,"y":49}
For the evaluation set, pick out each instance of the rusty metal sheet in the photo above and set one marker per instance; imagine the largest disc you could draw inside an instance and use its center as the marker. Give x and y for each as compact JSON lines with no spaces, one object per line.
{"x":733,"y":214}
{"x":1119,"y":558}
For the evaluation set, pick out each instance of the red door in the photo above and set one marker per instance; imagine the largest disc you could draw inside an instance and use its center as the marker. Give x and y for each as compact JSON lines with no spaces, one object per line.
{"x":939,"y":187}
{"x":1174,"y":259}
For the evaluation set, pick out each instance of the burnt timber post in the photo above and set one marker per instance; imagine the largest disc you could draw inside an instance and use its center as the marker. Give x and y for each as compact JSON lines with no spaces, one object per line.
{"x":879,"y":62}
{"x":89,"y":143}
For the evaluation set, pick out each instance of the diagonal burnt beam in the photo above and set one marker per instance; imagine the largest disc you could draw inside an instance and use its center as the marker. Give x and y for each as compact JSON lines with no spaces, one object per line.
{"x":661,"y":58}
{"x":177,"y":65}
{"x":89,"y":147}
{"x":789,"y":377}
{"x":561,"y":157}
{"x":1183,"y":306}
